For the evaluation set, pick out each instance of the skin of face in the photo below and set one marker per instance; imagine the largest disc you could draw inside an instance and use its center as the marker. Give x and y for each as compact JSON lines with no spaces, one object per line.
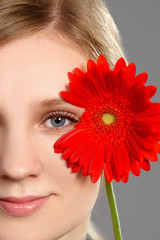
{"x":32,"y":69}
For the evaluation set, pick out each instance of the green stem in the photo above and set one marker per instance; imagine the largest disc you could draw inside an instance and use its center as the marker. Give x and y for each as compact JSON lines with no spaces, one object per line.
{"x":113,"y":211}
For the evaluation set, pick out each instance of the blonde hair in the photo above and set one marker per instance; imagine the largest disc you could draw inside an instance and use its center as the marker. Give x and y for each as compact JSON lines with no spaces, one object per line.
{"x":87,"y":23}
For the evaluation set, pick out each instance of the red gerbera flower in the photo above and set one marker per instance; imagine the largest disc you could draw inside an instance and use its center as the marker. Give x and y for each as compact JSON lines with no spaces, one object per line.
{"x":120,"y":127}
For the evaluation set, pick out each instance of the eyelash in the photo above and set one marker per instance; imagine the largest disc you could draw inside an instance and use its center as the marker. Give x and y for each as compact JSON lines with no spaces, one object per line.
{"x":62,"y":114}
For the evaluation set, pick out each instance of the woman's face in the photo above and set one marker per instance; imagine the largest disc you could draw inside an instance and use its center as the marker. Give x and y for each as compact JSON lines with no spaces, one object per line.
{"x":33,"y":70}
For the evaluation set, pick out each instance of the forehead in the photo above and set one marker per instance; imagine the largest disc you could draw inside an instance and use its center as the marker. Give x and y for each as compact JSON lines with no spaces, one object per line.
{"x":37,"y":54}
{"x":36,"y":66}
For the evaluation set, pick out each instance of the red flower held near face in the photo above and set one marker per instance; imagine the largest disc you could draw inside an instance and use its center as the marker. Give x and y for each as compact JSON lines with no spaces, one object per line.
{"x":120,"y":127}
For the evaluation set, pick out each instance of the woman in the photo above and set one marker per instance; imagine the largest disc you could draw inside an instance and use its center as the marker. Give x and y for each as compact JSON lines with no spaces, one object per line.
{"x":40,"y":41}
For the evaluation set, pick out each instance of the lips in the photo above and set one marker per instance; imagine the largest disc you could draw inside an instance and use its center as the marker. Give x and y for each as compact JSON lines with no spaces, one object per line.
{"x":21,"y":200}
{"x":22,"y":206}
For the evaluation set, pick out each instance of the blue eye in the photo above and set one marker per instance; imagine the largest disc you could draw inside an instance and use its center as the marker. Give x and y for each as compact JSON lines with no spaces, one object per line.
{"x":60,"y":119}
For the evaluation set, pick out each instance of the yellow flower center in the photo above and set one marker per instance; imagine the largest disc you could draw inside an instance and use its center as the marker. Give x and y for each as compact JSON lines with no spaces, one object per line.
{"x":108,"y":118}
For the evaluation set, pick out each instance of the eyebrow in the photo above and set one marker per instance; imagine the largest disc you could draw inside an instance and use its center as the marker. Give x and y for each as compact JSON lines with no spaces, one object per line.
{"x":47,"y":103}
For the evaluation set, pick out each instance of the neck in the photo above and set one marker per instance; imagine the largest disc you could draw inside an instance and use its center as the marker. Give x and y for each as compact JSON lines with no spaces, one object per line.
{"x":79,"y":232}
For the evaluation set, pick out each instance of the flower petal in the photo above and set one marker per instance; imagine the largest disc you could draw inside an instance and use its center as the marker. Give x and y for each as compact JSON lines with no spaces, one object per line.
{"x":79,"y":74}
{"x":126,"y":157}
{"x":141,"y":78}
{"x":118,"y":160}
{"x":131,"y":71}
{"x":66,"y":140}
{"x":76,"y":167}
{"x":77,"y":152}
{"x":150,"y":91}
{"x":147,"y":143}
{"x":135,"y":167}
{"x":125,"y":177}
{"x":102,"y":61}
{"x":86,"y":160}
{"x":91,"y":66}
{"x":107,"y":152}
{"x":120,"y":64}
{"x":145,"y":165}
{"x":80,"y":91}
{"x":71,"y":98}
{"x":108,"y":172}
{"x":96,"y":165}
{"x":142,"y":128}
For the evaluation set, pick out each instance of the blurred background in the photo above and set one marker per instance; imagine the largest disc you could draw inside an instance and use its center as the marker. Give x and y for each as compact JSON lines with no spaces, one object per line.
{"x":138,"y":200}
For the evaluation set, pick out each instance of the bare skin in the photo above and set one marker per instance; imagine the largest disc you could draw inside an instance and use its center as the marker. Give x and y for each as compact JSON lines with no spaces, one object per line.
{"x":33,"y":69}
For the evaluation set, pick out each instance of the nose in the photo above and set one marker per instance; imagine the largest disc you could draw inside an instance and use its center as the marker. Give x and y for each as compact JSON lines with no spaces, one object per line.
{"x":18,"y":159}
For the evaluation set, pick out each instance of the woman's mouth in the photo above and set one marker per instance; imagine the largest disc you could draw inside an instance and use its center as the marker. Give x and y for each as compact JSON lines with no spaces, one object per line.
{"x":22,"y":206}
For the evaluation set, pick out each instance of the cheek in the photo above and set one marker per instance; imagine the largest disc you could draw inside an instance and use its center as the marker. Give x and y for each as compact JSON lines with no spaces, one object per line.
{"x":83,"y":195}
{"x":69,"y":185}
{"x":75,"y":190}
{"x":53,"y":165}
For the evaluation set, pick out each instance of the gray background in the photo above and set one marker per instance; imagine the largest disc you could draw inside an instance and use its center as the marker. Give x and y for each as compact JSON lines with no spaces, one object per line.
{"x":138,"y":200}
